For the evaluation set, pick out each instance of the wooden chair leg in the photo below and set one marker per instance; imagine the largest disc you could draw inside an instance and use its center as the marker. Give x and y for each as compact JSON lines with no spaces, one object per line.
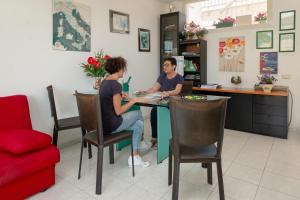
{"x":99,"y":170}
{"x":80,"y":160}
{"x":132,"y":159}
{"x":83,"y":132}
{"x":170,"y":166}
{"x":55,"y":136}
{"x":175,"y":189}
{"x":90,"y":150}
{"x":209,"y":173}
{"x":111,"y":154}
{"x":220,"y":180}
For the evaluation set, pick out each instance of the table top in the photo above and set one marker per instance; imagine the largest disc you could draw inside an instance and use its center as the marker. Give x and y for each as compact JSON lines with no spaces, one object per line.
{"x":244,"y":91}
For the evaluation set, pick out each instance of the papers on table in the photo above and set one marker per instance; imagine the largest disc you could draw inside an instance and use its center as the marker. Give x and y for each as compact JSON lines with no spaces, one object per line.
{"x":155,"y":95}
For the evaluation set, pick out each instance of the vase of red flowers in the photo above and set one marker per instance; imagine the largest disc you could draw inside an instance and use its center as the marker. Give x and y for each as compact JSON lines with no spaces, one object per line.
{"x":95,"y":67}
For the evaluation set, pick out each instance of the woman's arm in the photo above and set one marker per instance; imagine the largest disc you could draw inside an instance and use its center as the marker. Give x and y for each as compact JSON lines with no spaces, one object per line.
{"x":119,"y":108}
{"x":173,"y":92}
{"x":154,"y":88}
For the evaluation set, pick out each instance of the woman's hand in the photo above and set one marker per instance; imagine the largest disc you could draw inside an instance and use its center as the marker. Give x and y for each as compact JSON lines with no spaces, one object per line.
{"x":164,"y":94}
{"x":124,"y":95}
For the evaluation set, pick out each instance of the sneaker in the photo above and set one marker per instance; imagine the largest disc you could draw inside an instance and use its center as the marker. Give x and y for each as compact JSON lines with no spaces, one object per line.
{"x":144,"y":146}
{"x":138,"y":161}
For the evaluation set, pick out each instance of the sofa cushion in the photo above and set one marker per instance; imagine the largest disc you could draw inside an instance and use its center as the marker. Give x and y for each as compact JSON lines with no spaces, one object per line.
{"x":23,"y":140}
{"x":14,"y":112}
{"x":15,"y":166}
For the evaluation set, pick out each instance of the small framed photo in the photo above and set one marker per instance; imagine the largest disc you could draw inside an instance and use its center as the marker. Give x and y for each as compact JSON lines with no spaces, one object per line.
{"x":287,"y":20}
{"x":286,"y":42}
{"x":264,"y":39}
{"x":144,"y":40}
{"x":119,"y":22}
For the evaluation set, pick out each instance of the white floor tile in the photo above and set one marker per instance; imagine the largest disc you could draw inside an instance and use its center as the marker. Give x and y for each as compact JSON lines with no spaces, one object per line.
{"x":266,"y":194}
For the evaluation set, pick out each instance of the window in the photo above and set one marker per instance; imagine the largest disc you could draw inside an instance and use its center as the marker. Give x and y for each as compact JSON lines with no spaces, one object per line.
{"x":207,"y":12}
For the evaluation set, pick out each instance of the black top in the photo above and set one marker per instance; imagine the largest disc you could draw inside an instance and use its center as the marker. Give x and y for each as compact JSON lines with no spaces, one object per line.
{"x":169,"y":84}
{"x":111,"y":121}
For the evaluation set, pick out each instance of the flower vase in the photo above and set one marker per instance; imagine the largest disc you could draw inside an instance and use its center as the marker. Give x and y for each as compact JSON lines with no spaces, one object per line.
{"x":97,"y":83}
{"x":267,"y":87}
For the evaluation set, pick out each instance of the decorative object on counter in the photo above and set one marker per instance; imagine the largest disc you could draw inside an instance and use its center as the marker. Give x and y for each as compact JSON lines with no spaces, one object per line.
{"x":236,"y":80}
{"x":287,"y":20}
{"x":287,"y":42}
{"x":268,"y":62}
{"x":71,"y":26}
{"x":144,"y":40}
{"x":261,"y":18}
{"x":232,"y":54}
{"x":193,"y":31}
{"x":225,"y":22}
{"x":195,"y":97}
{"x":264,"y":39}
{"x":189,"y":66}
{"x":172,"y":7}
{"x":266,"y":80}
{"x":95,"y":67}
{"x":118,"y":22}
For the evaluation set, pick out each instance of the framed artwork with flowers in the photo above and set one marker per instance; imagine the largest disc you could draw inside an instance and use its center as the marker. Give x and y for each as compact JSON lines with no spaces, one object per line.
{"x":232,"y":54}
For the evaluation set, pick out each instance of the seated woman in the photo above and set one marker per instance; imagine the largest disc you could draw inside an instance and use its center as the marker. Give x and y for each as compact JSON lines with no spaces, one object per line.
{"x":115,"y":118}
{"x":169,"y":83}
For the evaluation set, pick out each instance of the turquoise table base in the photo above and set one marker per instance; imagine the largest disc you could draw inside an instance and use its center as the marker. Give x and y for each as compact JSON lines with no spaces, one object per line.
{"x":164,"y":133}
{"x":124,"y":143}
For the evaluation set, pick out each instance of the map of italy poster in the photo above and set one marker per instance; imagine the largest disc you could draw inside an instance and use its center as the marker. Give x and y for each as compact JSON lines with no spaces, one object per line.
{"x":71,"y":26}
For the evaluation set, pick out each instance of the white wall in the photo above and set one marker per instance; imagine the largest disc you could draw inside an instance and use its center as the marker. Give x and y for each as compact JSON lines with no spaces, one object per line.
{"x":28,"y":63}
{"x":288,"y":62}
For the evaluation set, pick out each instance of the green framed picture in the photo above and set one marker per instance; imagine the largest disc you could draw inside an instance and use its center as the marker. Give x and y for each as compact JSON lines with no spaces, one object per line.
{"x":287,"y":20}
{"x":287,"y":42}
{"x":264,"y":39}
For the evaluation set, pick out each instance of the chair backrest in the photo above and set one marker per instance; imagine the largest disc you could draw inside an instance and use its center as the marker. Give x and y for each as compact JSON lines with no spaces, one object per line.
{"x":197,"y":123}
{"x":14,"y":113}
{"x":90,"y":115}
{"x":52,"y":104}
{"x":187,"y":88}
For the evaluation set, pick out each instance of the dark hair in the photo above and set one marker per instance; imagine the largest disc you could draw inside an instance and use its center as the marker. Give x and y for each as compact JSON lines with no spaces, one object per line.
{"x":115,"y":64}
{"x":171,"y":59}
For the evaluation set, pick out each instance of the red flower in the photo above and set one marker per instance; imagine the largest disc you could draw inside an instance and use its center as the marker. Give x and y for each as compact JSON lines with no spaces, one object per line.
{"x":91,"y":60}
{"x":221,"y":50}
{"x":97,"y":65}
{"x":222,"y":44}
{"x":106,"y":57}
{"x":236,"y":41}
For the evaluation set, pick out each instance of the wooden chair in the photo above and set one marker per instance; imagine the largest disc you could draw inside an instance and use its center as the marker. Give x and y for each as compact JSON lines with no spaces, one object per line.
{"x":197,"y":136}
{"x":89,"y":108}
{"x":62,"y":124}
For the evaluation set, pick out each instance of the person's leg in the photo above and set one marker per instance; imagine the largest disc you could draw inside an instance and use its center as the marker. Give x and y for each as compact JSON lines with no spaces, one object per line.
{"x":153,"y":120}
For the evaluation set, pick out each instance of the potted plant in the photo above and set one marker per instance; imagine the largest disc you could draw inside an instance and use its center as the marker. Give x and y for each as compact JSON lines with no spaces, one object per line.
{"x":193,"y":31}
{"x":266,"y":81}
{"x":95,"y":67}
{"x":201,"y":32}
{"x":225,"y":22}
{"x":261,"y":17}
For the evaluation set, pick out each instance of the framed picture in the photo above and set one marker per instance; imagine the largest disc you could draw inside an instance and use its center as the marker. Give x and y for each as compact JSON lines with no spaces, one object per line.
{"x":269,"y":62}
{"x":264,"y":39}
{"x":119,"y":22}
{"x":286,"y":42}
{"x":287,"y":20}
{"x":144,"y":40}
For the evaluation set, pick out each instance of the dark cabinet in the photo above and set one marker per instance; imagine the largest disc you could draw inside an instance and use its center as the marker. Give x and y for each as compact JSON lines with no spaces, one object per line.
{"x":261,"y":114}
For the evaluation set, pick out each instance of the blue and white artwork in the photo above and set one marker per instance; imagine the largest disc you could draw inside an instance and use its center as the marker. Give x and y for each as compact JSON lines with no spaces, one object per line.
{"x":71,"y":26}
{"x":269,"y":62}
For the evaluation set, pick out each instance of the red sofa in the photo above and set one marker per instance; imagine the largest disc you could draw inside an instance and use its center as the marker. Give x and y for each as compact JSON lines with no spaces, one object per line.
{"x":27,"y":157}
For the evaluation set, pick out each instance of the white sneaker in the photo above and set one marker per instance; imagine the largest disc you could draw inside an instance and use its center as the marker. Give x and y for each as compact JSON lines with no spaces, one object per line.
{"x":144,"y":146}
{"x":138,"y":161}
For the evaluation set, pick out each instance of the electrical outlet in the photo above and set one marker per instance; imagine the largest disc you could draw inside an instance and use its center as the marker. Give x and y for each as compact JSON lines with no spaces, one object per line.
{"x":286,"y":76}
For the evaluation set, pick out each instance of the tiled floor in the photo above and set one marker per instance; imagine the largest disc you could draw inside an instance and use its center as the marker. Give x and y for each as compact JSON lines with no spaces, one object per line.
{"x":255,"y":167}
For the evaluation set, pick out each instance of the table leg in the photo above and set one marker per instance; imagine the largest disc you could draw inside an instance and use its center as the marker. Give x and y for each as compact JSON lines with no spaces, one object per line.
{"x":163,"y":133}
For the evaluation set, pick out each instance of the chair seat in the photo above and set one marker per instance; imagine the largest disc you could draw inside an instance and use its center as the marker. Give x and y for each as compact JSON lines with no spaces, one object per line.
{"x":68,"y":123}
{"x":108,"y":138}
{"x":197,"y":153}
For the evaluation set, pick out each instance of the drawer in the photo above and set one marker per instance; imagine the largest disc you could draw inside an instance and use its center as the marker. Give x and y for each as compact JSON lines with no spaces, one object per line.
{"x":270,"y":100}
{"x":270,"y":130}
{"x":270,"y":109}
{"x":270,"y":119}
